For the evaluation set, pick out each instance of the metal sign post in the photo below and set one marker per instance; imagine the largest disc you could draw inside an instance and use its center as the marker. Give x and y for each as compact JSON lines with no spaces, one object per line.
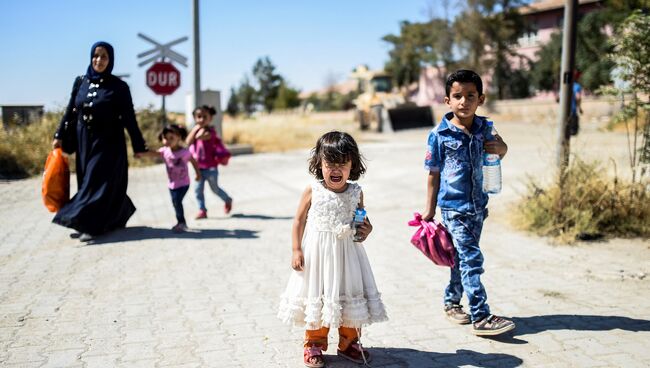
{"x":162,"y":51}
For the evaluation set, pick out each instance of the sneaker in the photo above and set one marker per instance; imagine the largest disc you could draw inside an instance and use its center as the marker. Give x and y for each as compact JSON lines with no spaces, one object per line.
{"x":354,"y":353}
{"x":492,"y":326}
{"x":179,"y":228}
{"x":202,"y":214}
{"x":227,"y":207}
{"x":456,"y":314}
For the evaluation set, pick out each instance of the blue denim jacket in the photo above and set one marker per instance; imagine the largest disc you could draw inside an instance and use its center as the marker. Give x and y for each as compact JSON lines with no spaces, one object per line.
{"x":459,"y":159}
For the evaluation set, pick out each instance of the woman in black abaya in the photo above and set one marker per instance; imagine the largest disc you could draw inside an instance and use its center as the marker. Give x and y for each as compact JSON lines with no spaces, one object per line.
{"x":102,"y":108}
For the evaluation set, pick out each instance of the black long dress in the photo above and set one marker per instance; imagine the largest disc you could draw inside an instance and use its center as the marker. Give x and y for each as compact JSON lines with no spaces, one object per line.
{"x":103,"y":109}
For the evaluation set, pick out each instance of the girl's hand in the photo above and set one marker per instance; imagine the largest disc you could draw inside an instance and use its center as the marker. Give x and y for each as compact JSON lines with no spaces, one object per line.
{"x":364,"y":230}
{"x":56,"y":143}
{"x":297,"y":260}
{"x":203,"y":134}
{"x":146,"y":154}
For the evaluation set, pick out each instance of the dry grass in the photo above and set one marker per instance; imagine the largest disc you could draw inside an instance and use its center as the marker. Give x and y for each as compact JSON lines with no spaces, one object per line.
{"x":592,"y":206}
{"x":282,"y":132}
{"x":23,"y":150}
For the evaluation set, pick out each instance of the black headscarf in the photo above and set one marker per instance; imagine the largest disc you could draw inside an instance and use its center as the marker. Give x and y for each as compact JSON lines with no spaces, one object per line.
{"x":91,"y":73}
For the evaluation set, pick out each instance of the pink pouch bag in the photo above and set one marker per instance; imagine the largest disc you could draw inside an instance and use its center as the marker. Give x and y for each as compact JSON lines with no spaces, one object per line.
{"x":222,"y":153}
{"x":433,"y":239}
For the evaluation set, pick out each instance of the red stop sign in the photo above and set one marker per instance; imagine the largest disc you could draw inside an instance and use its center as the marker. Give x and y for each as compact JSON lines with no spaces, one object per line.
{"x":163,"y":78}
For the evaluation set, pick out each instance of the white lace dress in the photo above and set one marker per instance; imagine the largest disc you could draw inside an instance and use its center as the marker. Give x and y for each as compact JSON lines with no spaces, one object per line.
{"x":336,"y":287}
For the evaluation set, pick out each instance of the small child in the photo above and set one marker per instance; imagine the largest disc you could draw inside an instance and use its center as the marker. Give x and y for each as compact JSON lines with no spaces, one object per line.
{"x":176,"y":158}
{"x":203,"y":141}
{"x":454,"y":161}
{"x":332,"y":285}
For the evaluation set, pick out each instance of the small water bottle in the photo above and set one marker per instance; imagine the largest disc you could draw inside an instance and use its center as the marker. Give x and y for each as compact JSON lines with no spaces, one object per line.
{"x":491,"y":168}
{"x":359,"y":216}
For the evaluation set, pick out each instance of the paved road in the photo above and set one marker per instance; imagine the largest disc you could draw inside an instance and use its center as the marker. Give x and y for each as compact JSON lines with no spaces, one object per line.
{"x":145,"y":297}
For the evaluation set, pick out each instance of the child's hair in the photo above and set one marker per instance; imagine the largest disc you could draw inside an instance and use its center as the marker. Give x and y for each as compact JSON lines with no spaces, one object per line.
{"x":175,"y":129}
{"x":338,"y":148}
{"x":209,"y":109}
{"x":464,"y":76}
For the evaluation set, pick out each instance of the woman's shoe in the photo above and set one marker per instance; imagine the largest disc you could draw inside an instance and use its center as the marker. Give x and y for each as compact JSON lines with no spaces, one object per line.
{"x":85,"y":237}
{"x":202,"y":214}
{"x":227,"y":207}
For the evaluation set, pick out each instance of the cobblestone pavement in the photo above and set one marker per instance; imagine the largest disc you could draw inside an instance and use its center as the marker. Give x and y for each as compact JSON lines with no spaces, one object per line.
{"x":145,"y":297}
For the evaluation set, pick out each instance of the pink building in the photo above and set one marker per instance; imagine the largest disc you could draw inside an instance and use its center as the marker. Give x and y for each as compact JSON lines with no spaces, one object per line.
{"x":545,"y":17}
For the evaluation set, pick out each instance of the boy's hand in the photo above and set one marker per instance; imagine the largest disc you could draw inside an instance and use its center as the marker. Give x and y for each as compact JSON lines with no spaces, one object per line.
{"x":364,"y":230}
{"x":496,"y":146}
{"x":198,"y":176}
{"x":428,"y":216}
{"x":297,"y":260}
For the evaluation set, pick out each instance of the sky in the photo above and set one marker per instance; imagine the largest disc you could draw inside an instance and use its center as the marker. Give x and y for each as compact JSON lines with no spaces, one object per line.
{"x":45,"y":44}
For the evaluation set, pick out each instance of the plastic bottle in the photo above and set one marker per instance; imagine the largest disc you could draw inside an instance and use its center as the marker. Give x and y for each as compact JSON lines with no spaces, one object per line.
{"x":359,"y":216}
{"x":491,"y":169}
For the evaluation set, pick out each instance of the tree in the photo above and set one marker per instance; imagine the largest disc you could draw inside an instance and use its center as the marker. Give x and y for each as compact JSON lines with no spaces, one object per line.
{"x":482,"y":37}
{"x":632,"y":57}
{"x":593,"y":40}
{"x":487,"y":32}
{"x":545,"y":72}
{"x":268,"y":82}
{"x":233,"y":103}
{"x":418,"y":44}
{"x":287,"y":97}
{"x":246,"y":96}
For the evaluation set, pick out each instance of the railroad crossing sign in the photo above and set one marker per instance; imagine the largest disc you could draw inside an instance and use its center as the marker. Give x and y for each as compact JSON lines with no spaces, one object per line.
{"x":162,"y":51}
{"x":163,"y":78}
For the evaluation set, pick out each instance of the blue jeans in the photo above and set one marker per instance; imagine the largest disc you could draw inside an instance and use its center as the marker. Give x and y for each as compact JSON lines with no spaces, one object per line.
{"x":210,"y":175}
{"x":465,"y":230}
{"x":177,"y":200}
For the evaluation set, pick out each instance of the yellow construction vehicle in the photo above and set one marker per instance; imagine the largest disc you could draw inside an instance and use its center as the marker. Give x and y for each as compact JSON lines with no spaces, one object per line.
{"x":381,"y":105}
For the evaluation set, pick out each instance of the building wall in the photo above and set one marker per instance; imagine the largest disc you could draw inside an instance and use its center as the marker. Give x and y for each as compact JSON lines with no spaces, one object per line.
{"x":13,"y":116}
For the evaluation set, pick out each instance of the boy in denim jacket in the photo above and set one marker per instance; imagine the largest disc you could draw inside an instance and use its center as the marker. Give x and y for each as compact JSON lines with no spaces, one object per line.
{"x":454,"y":161}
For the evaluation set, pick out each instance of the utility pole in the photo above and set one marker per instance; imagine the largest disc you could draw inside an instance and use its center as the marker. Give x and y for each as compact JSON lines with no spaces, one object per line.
{"x":566,"y":89}
{"x":197,"y":53}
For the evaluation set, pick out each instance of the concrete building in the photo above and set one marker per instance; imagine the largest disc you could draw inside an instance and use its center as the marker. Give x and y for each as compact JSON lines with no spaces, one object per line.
{"x":20,"y":115}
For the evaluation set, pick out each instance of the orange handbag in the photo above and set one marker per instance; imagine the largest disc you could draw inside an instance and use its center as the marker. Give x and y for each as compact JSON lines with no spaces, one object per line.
{"x":56,"y":181}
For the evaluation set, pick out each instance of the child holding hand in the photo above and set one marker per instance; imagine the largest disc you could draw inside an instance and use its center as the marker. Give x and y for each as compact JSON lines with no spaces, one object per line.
{"x":176,"y":157}
{"x":332,"y":284}
{"x":454,"y":183}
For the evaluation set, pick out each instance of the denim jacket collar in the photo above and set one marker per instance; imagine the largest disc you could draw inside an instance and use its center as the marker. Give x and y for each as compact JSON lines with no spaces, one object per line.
{"x":446,"y":124}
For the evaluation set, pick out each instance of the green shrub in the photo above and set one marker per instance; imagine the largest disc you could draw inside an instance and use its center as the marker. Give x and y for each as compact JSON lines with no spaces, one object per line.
{"x":592,"y":205}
